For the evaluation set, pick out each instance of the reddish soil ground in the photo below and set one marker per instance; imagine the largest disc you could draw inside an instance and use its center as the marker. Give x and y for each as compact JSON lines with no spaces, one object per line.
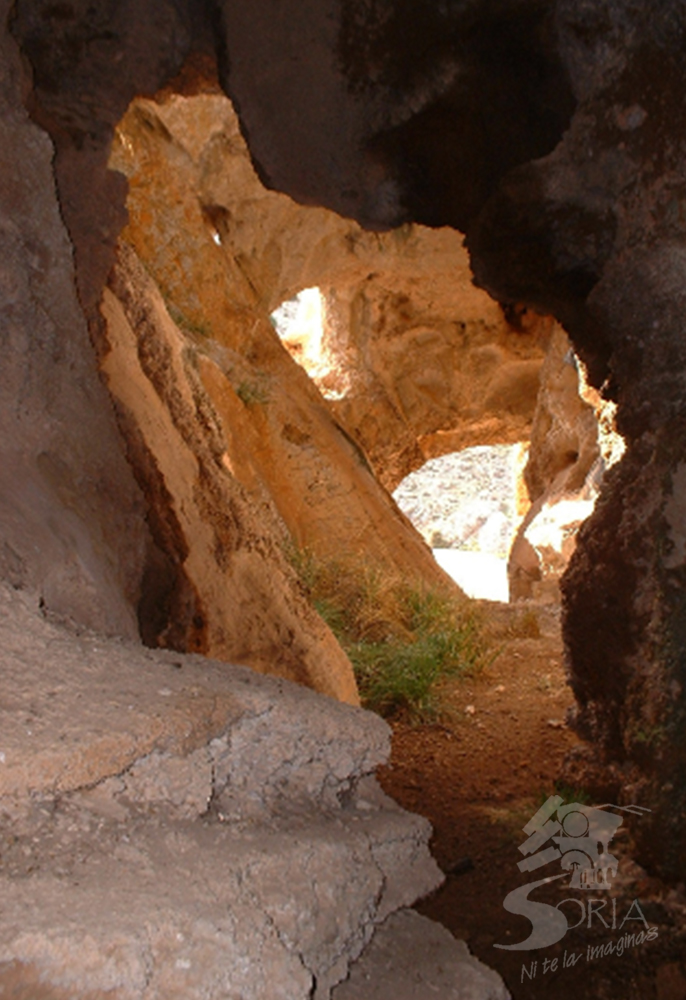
{"x":479,"y":776}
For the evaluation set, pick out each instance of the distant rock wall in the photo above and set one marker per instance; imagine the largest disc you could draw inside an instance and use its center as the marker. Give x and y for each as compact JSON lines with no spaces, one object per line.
{"x":563,"y":475}
{"x":432,"y":364}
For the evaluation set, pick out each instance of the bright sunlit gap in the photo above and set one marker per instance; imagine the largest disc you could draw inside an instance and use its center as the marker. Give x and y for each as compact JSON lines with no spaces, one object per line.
{"x":467,"y":508}
{"x":301,"y":324}
{"x":468,"y":505}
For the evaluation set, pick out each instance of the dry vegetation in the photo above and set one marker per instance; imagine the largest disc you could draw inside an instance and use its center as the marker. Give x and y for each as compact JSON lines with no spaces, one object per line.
{"x":402,"y":640}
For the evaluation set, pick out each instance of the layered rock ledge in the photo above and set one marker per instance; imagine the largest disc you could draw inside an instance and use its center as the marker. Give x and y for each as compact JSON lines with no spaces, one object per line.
{"x":175,"y":827}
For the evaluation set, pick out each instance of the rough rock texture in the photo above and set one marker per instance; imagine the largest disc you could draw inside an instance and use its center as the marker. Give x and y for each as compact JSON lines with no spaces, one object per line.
{"x":89,"y":60}
{"x":603,"y":212}
{"x":67,"y":496}
{"x":75,"y":529}
{"x":192,"y":184}
{"x":431,"y":365}
{"x":211,"y":832}
{"x":562,"y":476}
{"x":564,"y":443}
{"x":570,"y":194}
{"x":387,"y":298}
{"x":265,"y":420}
{"x":412,"y":958}
{"x":223,"y":587}
{"x":370,"y":108}
{"x":174,"y":827}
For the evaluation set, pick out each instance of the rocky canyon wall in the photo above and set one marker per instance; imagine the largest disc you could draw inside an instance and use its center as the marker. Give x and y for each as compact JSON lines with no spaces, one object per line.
{"x":602,"y":209}
{"x":88,"y":523}
{"x":549,"y":132}
{"x":225,"y":252}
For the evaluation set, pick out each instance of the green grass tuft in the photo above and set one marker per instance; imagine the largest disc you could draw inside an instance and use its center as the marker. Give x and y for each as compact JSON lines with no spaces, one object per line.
{"x":403,"y":641}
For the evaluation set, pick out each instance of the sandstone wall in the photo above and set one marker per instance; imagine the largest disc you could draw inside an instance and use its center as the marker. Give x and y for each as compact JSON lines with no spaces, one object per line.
{"x":389,"y":298}
{"x":278,"y":436}
{"x":563,"y":475}
{"x":225,"y":251}
{"x":223,"y":587}
{"x":432,"y":364}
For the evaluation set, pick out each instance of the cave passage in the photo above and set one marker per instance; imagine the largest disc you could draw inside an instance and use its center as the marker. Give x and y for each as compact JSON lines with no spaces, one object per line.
{"x":468,"y":507}
{"x":163,"y":453}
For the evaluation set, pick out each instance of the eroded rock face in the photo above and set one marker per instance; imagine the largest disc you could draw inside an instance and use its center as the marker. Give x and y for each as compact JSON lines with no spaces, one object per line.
{"x":432,"y":365}
{"x":562,"y":476}
{"x":272,"y":429}
{"x":580,"y":217}
{"x":411,"y":955}
{"x":88,"y":61}
{"x":223,"y":587}
{"x":77,"y":530}
{"x":388,"y":299}
{"x":602,"y":210}
{"x":67,"y":496}
{"x":379,"y":119}
{"x":296,"y":456}
{"x":174,"y":827}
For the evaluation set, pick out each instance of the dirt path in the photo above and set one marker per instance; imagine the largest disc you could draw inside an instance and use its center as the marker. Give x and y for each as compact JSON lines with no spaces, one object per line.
{"x":479,"y":777}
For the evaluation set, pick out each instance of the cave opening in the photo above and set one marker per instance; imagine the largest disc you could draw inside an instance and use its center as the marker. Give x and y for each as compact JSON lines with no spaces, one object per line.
{"x":468,"y":506}
{"x":570,"y":202}
{"x":301,"y":323}
{"x":422,"y":373}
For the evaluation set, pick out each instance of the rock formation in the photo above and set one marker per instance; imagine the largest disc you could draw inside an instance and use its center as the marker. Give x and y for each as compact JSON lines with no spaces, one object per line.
{"x":478,"y":379}
{"x":178,"y":834}
{"x":173,"y":827}
{"x":92,"y":541}
{"x":548,"y":132}
{"x":67,"y":496}
{"x":602,"y":211}
{"x":225,"y":252}
{"x":562,"y":475}
{"x":221,"y":570}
